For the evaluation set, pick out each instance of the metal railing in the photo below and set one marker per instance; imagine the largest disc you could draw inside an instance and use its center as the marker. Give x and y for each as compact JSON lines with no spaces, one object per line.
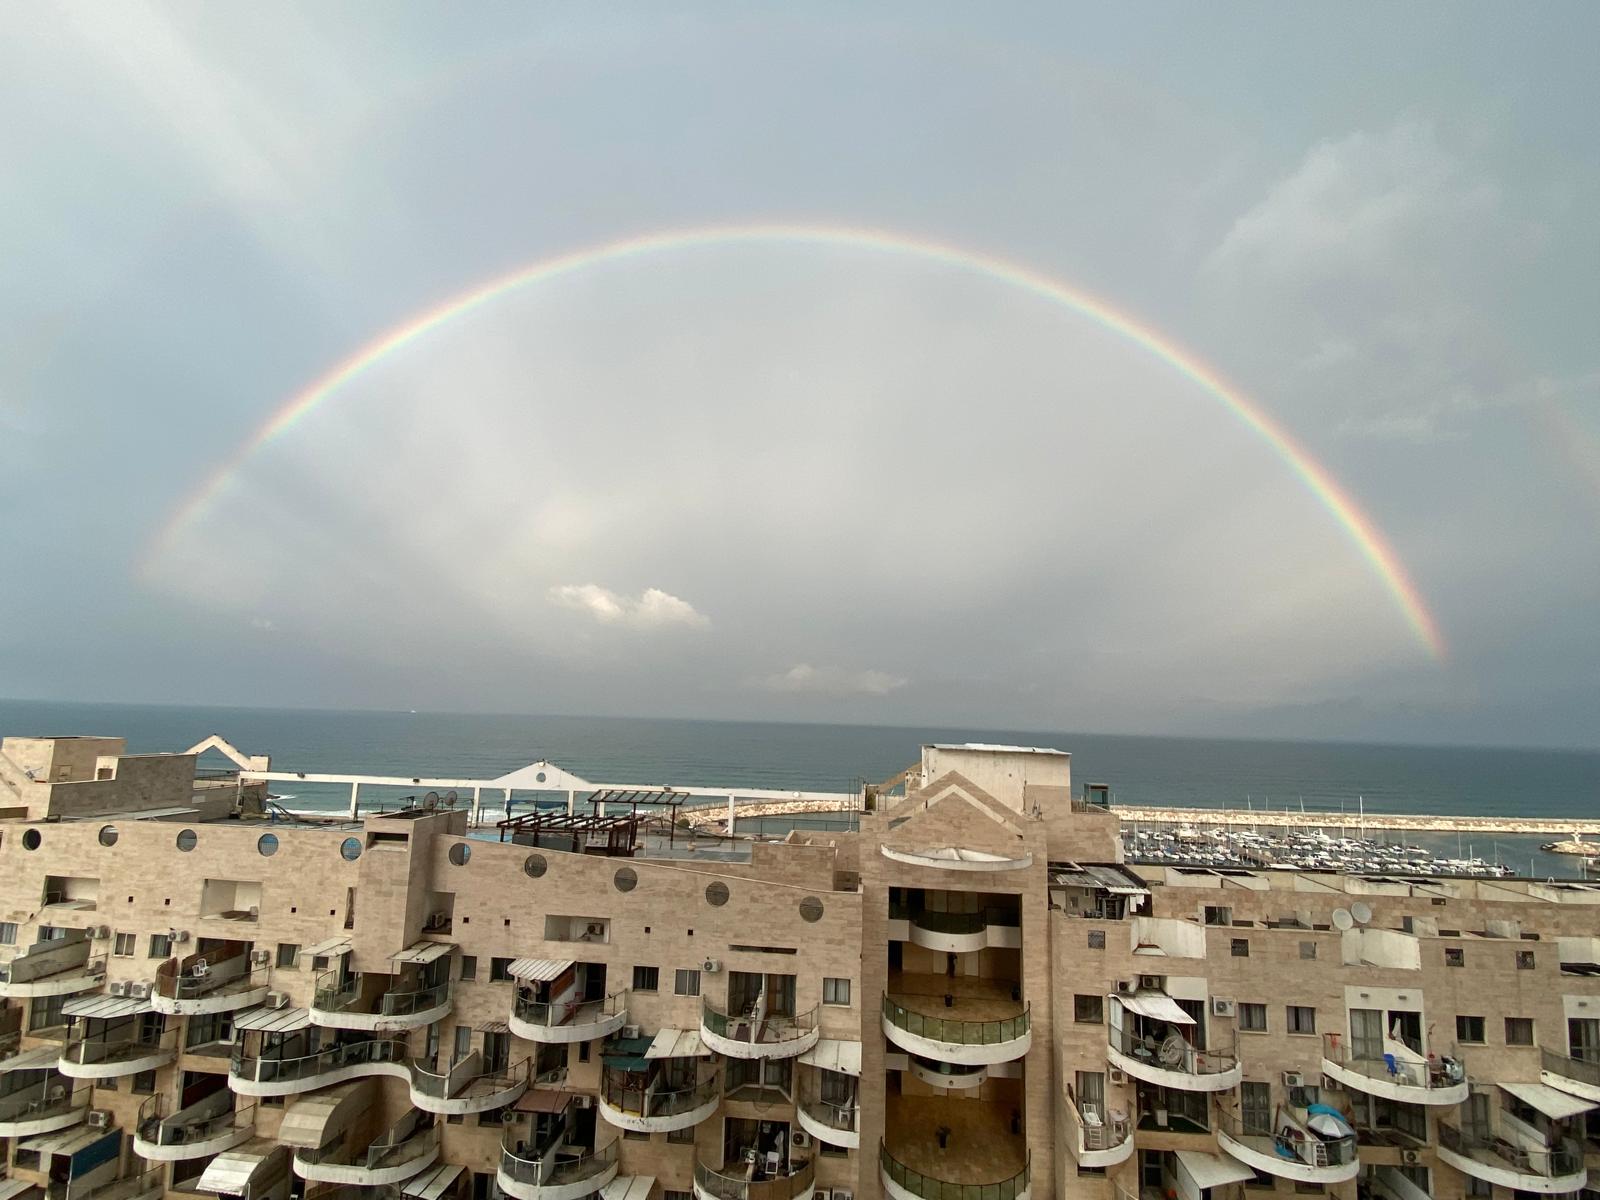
{"x":726,"y":1185}
{"x":1190,"y":1061}
{"x":1107,"y":1133}
{"x":843,"y":1117}
{"x":1437,"y":1071}
{"x":645,"y":1102}
{"x":1301,"y":1144}
{"x":333,"y":994}
{"x":930,"y":1188}
{"x":405,"y":1004}
{"x":87,"y":1051}
{"x":271,"y":1070}
{"x":1564,"y":1158}
{"x":551,"y":1169}
{"x":770,"y":1030}
{"x":551,"y":1013}
{"x":954,"y":1030}
{"x":1581,"y":1070}
{"x":178,"y":1129}
{"x":43,"y":1099}
{"x":203,"y":977}
{"x":935,"y":921}
{"x":428,"y":1080}
{"x":400,"y":1144}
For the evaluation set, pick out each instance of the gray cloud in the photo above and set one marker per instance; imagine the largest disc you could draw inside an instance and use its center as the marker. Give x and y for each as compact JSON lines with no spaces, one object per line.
{"x":804,"y":678}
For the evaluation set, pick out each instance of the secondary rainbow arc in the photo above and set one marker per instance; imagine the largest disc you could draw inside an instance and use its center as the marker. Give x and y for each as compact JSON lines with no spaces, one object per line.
{"x":1363,"y":532}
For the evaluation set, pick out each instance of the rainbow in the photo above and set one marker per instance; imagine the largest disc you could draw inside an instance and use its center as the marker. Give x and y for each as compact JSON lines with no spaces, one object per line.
{"x":1366,"y":536}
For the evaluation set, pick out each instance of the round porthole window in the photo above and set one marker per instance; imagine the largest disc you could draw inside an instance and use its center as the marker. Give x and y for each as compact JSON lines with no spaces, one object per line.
{"x":187,"y":840}
{"x":459,"y":853}
{"x":350,"y":849}
{"x":626,"y":879}
{"x":32,"y":839}
{"x":267,"y":845}
{"x":811,"y":909}
{"x":716,"y":894}
{"x":540,"y":777}
{"x":108,"y":835}
{"x":534,"y":866}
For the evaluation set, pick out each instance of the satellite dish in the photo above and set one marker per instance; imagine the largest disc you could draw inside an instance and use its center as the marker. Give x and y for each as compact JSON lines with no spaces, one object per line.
{"x":1361,"y":911}
{"x":431,"y":799}
{"x":1342,"y":919}
{"x":450,"y":798}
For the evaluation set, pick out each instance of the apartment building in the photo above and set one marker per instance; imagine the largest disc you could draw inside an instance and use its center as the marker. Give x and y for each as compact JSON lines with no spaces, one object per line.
{"x":971,"y":998}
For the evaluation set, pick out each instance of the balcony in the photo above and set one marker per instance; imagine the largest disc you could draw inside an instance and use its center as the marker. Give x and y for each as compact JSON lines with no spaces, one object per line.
{"x":828,"y":1107}
{"x":146,"y":1186}
{"x":406,"y":1149}
{"x":465,"y":1087}
{"x":200,"y":987}
{"x":1098,"y":1137}
{"x":559,"y":1173}
{"x":565,"y":1021}
{"x":54,"y":968}
{"x":207,"y":1127}
{"x":745,"y":1181}
{"x":1575,"y":1076}
{"x":1295,"y":1152}
{"x":1157,"y":1052}
{"x":45,"y":1106}
{"x":958,"y":932}
{"x":1437,"y":1081}
{"x":1497,"y":1161}
{"x":957,"y":858}
{"x":924,"y":1174}
{"x":354,"y":1004}
{"x":257,"y":1076}
{"x":751,"y":1036}
{"x":978,"y":1022}
{"x":651,"y":1108}
{"x":108,"y":1057}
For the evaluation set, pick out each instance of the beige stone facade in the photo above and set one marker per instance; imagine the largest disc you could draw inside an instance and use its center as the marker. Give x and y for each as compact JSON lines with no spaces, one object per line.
{"x":970,"y":999}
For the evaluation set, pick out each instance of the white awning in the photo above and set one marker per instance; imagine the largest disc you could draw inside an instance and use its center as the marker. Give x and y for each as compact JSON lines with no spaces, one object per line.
{"x":1213,"y":1170}
{"x":424,"y":952}
{"x":11,"y":1189}
{"x":44,"y":1058}
{"x":1158,"y":1007}
{"x":677,"y":1043}
{"x":832,"y":1055}
{"x":67,"y":1141}
{"x":272,"y":1020}
{"x":232,"y":1170}
{"x":329,"y":946}
{"x":628,"y":1187}
{"x":538,"y":970}
{"x":1556,"y":1105}
{"x":105,"y":1007}
{"x":432,"y":1183}
{"x":314,"y":1120}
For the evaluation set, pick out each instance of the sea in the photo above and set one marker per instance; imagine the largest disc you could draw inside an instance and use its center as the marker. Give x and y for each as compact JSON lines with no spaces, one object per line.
{"x":1329,"y":777}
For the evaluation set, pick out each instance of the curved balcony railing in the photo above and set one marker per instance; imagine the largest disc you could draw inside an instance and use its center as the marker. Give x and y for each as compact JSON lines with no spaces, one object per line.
{"x":745,"y":1037}
{"x":408,"y":1004}
{"x":101,"y":1058}
{"x":398,"y":1154}
{"x":557,"y":1170}
{"x":650,"y":1104}
{"x":712,"y":1184}
{"x":927,"y":1187}
{"x":1440,"y":1079}
{"x":1292,"y":1152}
{"x":202,"y":1129}
{"x":568,"y":1020}
{"x":381,"y":1056}
{"x":42,"y":1107}
{"x":1550,"y":1170}
{"x":830,"y":1122}
{"x":953,"y":1030}
{"x":206,"y":987}
{"x":465,"y":1087}
{"x":1213,"y":1069}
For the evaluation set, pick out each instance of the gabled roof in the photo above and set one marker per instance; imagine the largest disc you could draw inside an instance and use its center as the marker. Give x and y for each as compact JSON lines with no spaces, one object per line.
{"x":542,"y":776}
{"x":953,"y":811}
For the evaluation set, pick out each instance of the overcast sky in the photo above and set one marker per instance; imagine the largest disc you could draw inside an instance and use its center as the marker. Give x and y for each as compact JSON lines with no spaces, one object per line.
{"x":813,"y":481}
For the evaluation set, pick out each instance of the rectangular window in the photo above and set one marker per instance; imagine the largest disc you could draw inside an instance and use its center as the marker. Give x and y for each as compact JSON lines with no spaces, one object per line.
{"x":144,"y":1082}
{"x":1088,"y":1008}
{"x":469,"y":967}
{"x":1308,"y":950}
{"x":835,"y":991}
{"x":646,"y":979}
{"x":1455,"y":956}
{"x":635,"y":1135}
{"x":1479,"y":1188}
{"x":1469,"y":1029}
{"x":583,"y":1052}
{"x":1519,"y":1031}
{"x":125,"y":944}
{"x":1218,"y":914}
{"x":1252,"y":1018}
{"x":160,"y":946}
{"x":681,"y":1137}
{"x":1524,"y":960}
{"x":1097,"y":939}
{"x":463,"y":1042}
{"x":1240,"y":948}
{"x":8,"y":933}
{"x":499,"y":969}
{"x":1255,"y":1107}
{"x":288,"y":954}
{"x":1301,"y":1018}
{"x":44,"y":1012}
{"x":686,"y":983}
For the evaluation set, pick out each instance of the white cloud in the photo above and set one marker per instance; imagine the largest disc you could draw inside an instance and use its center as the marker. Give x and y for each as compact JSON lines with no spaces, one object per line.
{"x":832,"y":681}
{"x":651,"y":609}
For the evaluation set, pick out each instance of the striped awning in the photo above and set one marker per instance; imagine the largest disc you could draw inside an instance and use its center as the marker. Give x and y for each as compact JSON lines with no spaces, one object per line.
{"x":432,"y":1183}
{"x":328,"y":946}
{"x":272,"y":1020}
{"x":423,"y":953}
{"x":105,"y":1007}
{"x":833,"y":1055}
{"x":493,"y":1027}
{"x":539,"y":970}
{"x":628,"y":1187}
{"x":43,"y":1058}
{"x":677,"y":1043}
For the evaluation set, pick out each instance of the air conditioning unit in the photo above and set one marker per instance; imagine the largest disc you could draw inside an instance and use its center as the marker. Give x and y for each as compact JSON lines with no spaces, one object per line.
{"x":800,"y":1139}
{"x":582,"y":1101}
{"x":1294,"y":1079}
{"x":260,"y":958}
{"x":180,"y":936}
{"x":1410,"y":1158}
{"x":438,"y":920}
{"x":95,"y":966}
{"x":1152,"y":983}
{"x":100,"y":1118}
{"x":711,"y":966}
{"x":100,"y":932}
{"x":1118,"y":1075}
{"x":1221,"y":1007}
{"x":508,"y":1116}
{"x":119,"y":988}
{"x":630,"y":1031}
{"x":139,"y":991}
{"x":843,"y":1194}
{"x":277,"y":1000}
{"x":255,"y":911}
{"x":1125,"y":987}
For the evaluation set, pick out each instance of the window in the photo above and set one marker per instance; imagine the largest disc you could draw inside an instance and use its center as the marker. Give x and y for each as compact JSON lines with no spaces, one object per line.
{"x":1260,"y":1179}
{"x":671,"y":1195}
{"x":1524,"y":960}
{"x":1097,"y":939}
{"x":1240,"y":948}
{"x":144,"y":1082}
{"x":634,"y":1135}
{"x":583,"y":1052}
{"x":1519,"y":1031}
{"x":1455,"y":956}
{"x":288,"y":954}
{"x":686,"y":983}
{"x":1308,"y":1189}
{"x":463,"y":1042}
{"x":1088,"y":1009}
{"x":124,"y":946}
{"x":160,"y":946}
{"x":1469,"y":1029}
{"x":646,"y":979}
{"x":835,"y":991}
{"x":1219,"y":914}
{"x":1301,"y":1019}
{"x":469,"y":967}
{"x":45,"y":1012}
{"x":1255,"y":1107}
{"x":499,"y":970}
{"x":681,"y":1137}
{"x":1479,"y":1187}
{"x":1252,"y":1018}
{"x":8,"y":933}
{"x":1308,"y":950}
{"x":824,"y":1149}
